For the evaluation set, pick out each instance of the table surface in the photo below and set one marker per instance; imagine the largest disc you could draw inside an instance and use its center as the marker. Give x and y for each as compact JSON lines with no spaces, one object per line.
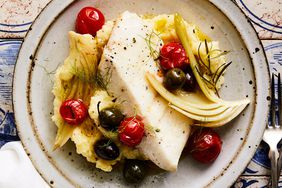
{"x":16,"y":16}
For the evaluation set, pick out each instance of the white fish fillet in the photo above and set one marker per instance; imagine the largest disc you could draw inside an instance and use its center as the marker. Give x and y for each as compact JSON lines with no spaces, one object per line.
{"x":127,"y":58}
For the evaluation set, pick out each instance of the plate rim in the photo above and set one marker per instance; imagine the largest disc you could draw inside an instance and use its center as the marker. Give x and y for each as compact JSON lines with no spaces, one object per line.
{"x":68,"y":3}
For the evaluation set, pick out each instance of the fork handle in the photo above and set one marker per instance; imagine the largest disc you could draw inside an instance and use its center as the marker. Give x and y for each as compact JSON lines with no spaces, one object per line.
{"x":279,"y":164}
{"x":273,"y":155}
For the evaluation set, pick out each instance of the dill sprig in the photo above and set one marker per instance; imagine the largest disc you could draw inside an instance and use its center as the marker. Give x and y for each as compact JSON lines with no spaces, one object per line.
{"x":49,"y":73}
{"x":94,"y":77}
{"x":208,"y":76}
{"x":80,"y":74}
{"x":103,"y":81}
{"x":153,"y":46}
{"x":109,"y":142}
{"x":154,"y":52}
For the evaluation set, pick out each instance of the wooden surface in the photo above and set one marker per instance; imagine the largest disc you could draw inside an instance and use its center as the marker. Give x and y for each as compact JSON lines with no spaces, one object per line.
{"x":16,"y":17}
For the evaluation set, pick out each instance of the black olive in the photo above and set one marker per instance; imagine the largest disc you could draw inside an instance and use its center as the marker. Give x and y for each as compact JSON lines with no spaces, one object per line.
{"x":174,"y":79}
{"x":134,"y":171}
{"x":110,"y":118}
{"x":190,"y":81}
{"x":106,"y":149}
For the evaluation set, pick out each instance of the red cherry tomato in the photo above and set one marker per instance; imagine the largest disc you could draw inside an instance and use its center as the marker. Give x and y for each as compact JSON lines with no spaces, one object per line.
{"x":131,"y":131}
{"x":173,"y":55}
{"x":89,"y":20}
{"x":73,"y":111}
{"x":204,"y":145}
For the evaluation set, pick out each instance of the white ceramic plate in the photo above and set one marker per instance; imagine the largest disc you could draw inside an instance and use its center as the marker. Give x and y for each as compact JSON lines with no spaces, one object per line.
{"x":46,"y":46}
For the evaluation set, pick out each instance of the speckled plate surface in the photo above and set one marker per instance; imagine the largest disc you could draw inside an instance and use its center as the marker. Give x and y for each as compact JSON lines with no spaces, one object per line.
{"x":46,"y":46}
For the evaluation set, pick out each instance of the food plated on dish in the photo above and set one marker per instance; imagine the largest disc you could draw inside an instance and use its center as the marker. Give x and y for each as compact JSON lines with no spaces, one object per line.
{"x":133,"y":87}
{"x":46,"y":47}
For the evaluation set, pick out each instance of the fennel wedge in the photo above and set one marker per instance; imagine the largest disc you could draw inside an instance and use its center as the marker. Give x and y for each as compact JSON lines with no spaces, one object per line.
{"x":202,"y":112}
{"x":216,"y":113}
{"x":204,"y":118}
{"x":74,"y":80}
{"x":201,"y":108}
{"x":224,"y":121}
{"x":181,"y":31}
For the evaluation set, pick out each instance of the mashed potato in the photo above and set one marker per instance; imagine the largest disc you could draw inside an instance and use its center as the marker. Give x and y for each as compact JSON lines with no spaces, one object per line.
{"x":75,"y":79}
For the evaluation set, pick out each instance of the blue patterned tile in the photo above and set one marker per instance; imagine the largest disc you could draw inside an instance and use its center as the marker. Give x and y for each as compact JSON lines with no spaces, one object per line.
{"x":244,"y":183}
{"x":261,"y":156}
{"x":8,"y":53}
{"x":254,"y":182}
{"x":265,"y":16}
{"x":14,"y":22}
{"x":16,"y":16}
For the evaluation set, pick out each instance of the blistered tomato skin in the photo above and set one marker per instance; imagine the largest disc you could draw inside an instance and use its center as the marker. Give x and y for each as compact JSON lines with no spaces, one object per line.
{"x":131,"y":131}
{"x":73,"y":111}
{"x":205,"y":145}
{"x":173,"y":55}
{"x":89,"y":20}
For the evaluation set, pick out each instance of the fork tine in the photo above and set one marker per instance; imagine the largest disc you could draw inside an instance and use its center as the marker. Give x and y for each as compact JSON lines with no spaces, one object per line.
{"x":279,"y":100}
{"x":272,"y":107}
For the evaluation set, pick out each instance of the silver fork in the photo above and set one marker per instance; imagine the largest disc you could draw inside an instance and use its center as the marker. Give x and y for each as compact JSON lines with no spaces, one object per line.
{"x":273,"y":132}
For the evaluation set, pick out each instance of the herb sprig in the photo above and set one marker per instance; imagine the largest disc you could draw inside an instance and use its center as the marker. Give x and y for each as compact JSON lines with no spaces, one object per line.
{"x":49,"y":73}
{"x":103,"y":81}
{"x":108,"y":143}
{"x":205,"y":71}
{"x":96,"y":78}
{"x":153,"y":47}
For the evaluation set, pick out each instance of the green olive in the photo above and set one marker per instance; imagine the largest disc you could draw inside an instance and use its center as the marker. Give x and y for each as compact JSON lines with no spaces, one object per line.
{"x":174,"y":79}
{"x":110,"y":118}
{"x":134,"y":171}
